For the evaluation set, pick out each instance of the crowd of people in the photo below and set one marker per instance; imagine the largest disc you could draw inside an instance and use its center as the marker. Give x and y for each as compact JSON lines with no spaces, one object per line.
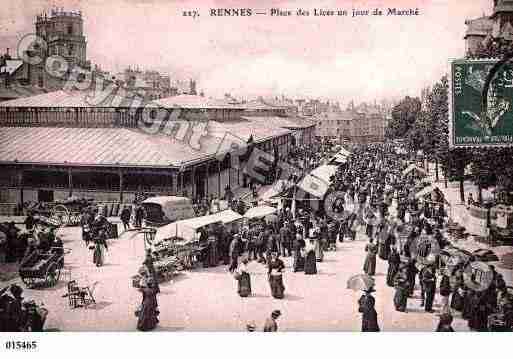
{"x":397,"y":221}
{"x":375,"y":199}
{"x":17,"y":245}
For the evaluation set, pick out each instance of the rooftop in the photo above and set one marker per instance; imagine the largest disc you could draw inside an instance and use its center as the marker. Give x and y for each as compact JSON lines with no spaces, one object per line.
{"x":283,"y":122}
{"x":197,"y":102}
{"x":479,"y":27}
{"x":16,"y":91}
{"x":11,"y":66}
{"x":84,"y":99}
{"x":503,"y":6}
{"x":120,"y":146}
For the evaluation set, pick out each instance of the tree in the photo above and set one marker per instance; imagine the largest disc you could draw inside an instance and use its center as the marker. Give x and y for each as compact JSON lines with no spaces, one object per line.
{"x":404,"y":115}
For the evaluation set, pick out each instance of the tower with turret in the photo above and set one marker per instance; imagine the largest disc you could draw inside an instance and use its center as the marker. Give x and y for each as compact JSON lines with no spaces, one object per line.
{"x":63,"y":32}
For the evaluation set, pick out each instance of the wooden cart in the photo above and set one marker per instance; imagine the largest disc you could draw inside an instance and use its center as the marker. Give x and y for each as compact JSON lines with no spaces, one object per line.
{"x":42,"y":269}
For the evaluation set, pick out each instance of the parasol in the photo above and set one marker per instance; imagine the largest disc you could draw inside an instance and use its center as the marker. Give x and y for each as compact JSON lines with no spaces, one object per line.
{"x":485,"y":255}
{"x":371,"y":219}
{"x":360,"y":282}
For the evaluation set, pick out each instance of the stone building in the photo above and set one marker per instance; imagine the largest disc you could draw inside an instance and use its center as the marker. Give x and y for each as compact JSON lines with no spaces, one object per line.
{"x":334,"y":125}
{"x":63,"y":45}
{"x":485,"y":29}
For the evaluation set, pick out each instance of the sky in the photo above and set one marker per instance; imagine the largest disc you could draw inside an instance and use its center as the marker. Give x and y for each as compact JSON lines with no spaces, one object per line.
{"x":339,"y":57}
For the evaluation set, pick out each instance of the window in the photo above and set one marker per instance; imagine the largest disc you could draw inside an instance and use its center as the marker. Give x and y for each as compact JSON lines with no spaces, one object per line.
{"x":71,"y":49}
{"x":40,"y":81}
{"x":70,"y":29}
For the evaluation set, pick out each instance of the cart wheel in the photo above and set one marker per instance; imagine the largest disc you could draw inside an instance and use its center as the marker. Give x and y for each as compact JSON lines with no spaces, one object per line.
{"x":27,"y":281}
{"x":52,"y":275}
{"x":61,"y":215}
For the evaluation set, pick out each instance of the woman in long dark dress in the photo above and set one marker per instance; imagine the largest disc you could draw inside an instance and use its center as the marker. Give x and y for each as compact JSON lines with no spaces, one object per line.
{"x":100,"y":245}
{"x":275,"y":275}
{"x":394,"y":260}
{"x":469,"y":303}
{"x":243,"y":279}
{"x":385,"y":242}
{"x":457,"y":290}
{"x":369,"y":267}
{"x":445,"y":323}
{"x":369,"y":316}
{"x":310,"y":261}
{"x":401,"y":290}
{"x":299,"y":259}
{"x":148,"y":312}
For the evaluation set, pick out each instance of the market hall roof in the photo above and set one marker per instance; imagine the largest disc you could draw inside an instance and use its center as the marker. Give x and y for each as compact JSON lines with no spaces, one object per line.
{"x":196,"y":102}
{"x":86,"y":99}
{"x":283,"y":122}
{"x":16,"y":91}
{"x":121,"y":147}
{"x":67,"y":99}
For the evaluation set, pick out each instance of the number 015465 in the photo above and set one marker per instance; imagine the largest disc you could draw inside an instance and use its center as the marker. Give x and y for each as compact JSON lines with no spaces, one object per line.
{"x":15,"y":345}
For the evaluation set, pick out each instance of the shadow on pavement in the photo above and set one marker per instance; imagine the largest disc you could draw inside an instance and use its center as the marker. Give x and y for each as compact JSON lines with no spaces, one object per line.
{"x":98,"y":305}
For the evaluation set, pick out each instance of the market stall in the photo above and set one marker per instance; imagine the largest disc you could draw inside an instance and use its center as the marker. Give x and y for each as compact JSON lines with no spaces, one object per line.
{"x":162,"y":210}
{"x":501,"y":224}
{"x":314,"y":186}
{"x":259,"y":212}
{"x":414,"y":168}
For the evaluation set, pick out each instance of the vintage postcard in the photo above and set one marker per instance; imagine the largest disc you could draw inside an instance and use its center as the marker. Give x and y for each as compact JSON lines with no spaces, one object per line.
{"x":233,"y":166}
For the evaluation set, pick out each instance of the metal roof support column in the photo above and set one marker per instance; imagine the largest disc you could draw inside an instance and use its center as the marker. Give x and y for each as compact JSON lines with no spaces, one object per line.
{"x":193,"y":182}
{"x":174,"y":178}
{"x":20,"y":183}
{"x":207,"y":175}
{"x":120,"y":174}
{"x":70,"y":182}
{"x":218,"y":179}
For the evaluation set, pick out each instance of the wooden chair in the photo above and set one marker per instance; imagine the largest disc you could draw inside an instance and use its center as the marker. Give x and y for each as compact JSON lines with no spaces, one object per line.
{"x":80,"y":296}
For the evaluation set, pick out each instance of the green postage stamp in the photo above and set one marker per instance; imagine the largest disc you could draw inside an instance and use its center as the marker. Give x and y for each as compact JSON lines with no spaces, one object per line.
{"x":468,"y":127}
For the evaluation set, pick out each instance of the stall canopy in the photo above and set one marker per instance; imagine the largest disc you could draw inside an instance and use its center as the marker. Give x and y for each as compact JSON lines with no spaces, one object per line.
{"x":260,"y":212}
{"x":187,"y":228}
{"x":276,"y":190}
{"x":173,"y":207}
{"x":317,"y":182}
{"x":340,"y":158}
{"x":425,"y":191}
{"x":413,"y":167}
{"x":344,"y":152}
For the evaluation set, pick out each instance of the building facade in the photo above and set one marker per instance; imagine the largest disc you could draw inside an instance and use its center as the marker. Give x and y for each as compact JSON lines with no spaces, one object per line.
{"x":483,"y":30}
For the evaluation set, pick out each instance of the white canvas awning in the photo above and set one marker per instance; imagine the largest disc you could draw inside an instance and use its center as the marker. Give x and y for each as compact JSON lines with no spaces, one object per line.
{"x":187,"y":228}
{"x":275,"y":190}
{"x":339,"y":159}
{"x":318,"y":181}
{"x":424,"y":191}
{"x":344,"y":152}
{"x":260,"y":211}
{"x":413,"y":167}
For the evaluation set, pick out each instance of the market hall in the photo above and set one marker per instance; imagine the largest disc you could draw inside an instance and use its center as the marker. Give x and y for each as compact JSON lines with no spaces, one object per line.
{"x":57,"y":145}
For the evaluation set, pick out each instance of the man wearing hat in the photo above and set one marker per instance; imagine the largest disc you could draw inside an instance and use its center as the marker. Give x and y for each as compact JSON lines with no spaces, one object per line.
{"x":15,"y":310}
{"x":234,"y":252}
{"x":270,"y":323}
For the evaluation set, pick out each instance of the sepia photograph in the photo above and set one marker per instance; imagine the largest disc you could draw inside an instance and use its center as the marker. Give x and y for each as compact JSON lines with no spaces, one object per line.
{"x":255,"y":166}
